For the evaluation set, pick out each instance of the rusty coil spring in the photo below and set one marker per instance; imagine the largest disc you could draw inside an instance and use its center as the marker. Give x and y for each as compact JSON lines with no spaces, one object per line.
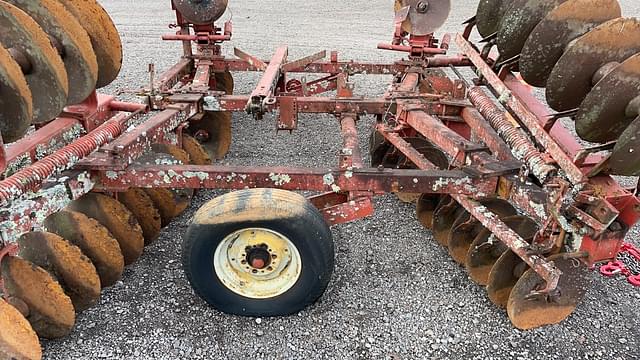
{"x":520,"y":144}
{"x":31,"y":177}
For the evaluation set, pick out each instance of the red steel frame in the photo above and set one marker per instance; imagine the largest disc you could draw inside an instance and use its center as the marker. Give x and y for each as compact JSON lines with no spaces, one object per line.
{"x":596,"y":208}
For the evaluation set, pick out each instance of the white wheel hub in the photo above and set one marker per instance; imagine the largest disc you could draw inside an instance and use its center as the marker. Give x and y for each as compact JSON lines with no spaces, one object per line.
{"x":257,"y":263}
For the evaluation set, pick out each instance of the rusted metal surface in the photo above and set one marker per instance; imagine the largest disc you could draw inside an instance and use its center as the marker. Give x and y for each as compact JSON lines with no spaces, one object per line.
{"x":511,"y":101}
{"x":350,"y":155}
{"x":521,"y":146}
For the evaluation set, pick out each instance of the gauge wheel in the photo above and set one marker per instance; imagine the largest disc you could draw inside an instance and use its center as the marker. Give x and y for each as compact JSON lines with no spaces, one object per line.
{"x":259,"y":252}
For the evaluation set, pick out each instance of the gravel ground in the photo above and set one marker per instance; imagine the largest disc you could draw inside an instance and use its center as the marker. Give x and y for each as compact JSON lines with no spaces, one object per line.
{"x":395,"y":293}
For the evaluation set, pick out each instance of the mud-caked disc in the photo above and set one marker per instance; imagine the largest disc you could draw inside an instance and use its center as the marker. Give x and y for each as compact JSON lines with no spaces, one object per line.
{"x":117,"y":218}
{"x":201,"y":12}
{"x":518,"y":22}
{"x":66,"y":262}
{"x":51,"y":312}
{"x":625,"y":157}
{"x":104,"y":36}
{"x":144,"y":210}
{"x":572,"y":77}
{"x":424,"y":17}
{"x":552,"y":35}
{"x":602,"y":116}
{"x":489,"y":14}
{"x":95,"y":241}
{"x":16,"y":102}
{"x":486,"y":249}
{"x":197,"y":153}
{"x":17,"y":339}
{"x":76,"y":51}
{"x":528,"y":311}
{"x":46,"y":75}
{"x":467,"y":228}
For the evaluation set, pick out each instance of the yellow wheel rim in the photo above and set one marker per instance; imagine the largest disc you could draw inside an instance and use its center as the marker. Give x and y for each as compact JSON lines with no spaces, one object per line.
{"x":257,"y":263}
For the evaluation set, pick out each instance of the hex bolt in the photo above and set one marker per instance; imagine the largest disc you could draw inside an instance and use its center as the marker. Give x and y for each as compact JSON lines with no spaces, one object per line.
{"x":422,"y":7}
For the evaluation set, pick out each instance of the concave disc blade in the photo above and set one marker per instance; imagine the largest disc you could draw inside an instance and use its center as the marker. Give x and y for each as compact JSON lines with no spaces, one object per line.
{"x":486,"y":249}
{"x":425,"y":206}
{"x":51,"y":312}
{"x":489,"y":14}
{"x":197,"y":153}
{"x":169,"y":202}
{"x":47,"y":77}
{"x":104,"y":36}
{"x":467,"y":229}
{"x":16,"y":102}
{"x":503,"y":277}
{"x":115,"y":217}
{"x":67,"y":263}
{"x":431,"y":153}
{"x":144,"y":210}
{"x":93,"y":239}
{"x":443,"y":219}
{"x":602,"y":115}
{"x":625,"y":158}
{"x":572,"y":77}
{"x":224,"y":82}
{"x":566,"y":22}
{"x":424,"y":22}
{"x":77,"y":53}
{"x":17,"y":338}
{"x":528,"y":312}
{"x":201,"y":12}
{"x":215,"y":131}
{"x":518,"y":22}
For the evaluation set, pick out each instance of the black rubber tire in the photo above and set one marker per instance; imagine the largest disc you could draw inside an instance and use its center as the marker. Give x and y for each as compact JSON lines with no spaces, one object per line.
{"x":282,"y":211}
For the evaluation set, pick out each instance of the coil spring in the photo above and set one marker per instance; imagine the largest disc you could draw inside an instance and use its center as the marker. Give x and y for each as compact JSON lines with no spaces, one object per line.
{"x":31,"y":177}
{"x":521,"y":145}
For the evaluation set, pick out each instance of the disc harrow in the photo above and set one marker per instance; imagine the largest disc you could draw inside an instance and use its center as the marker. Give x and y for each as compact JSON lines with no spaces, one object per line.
{"x":503,"y":185}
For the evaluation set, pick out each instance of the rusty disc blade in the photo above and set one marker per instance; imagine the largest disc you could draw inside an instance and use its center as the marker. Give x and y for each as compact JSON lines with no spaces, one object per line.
{"x":93,"y":239}
{"x":144,"y":210}
{"x":104,"y":36}
{"x":197,"y":153}
{"x":213,"y":131}
{"x":424,"y":17}
{"x":46,"y":76}
{"x":503,"y":277}
{"x":16,"y":102}
{"x":169,"y":202}
{"x":66,"y":262}
{"x":201,"y":12}
{"x":466,"y":229}
{"x":552,"y":35}
{"x":172,"y":150}
{"x":443,"y":219}
{"x":518,"y":22}
{"x":75,"y":45}
{"x":625,"y":158}
{"x":486,"y":249}
{"x":425,"y":206}
{"x":117,"y":219}
{"x":489,"y":14}
{"x":572,"y":77}
{"x":431,"y":153}
{"x":50,"y":310}
{"x":528,"y":311}
{"x":602,"y":116}
{"x":224,"y":82}
{"x":17,"y":338}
